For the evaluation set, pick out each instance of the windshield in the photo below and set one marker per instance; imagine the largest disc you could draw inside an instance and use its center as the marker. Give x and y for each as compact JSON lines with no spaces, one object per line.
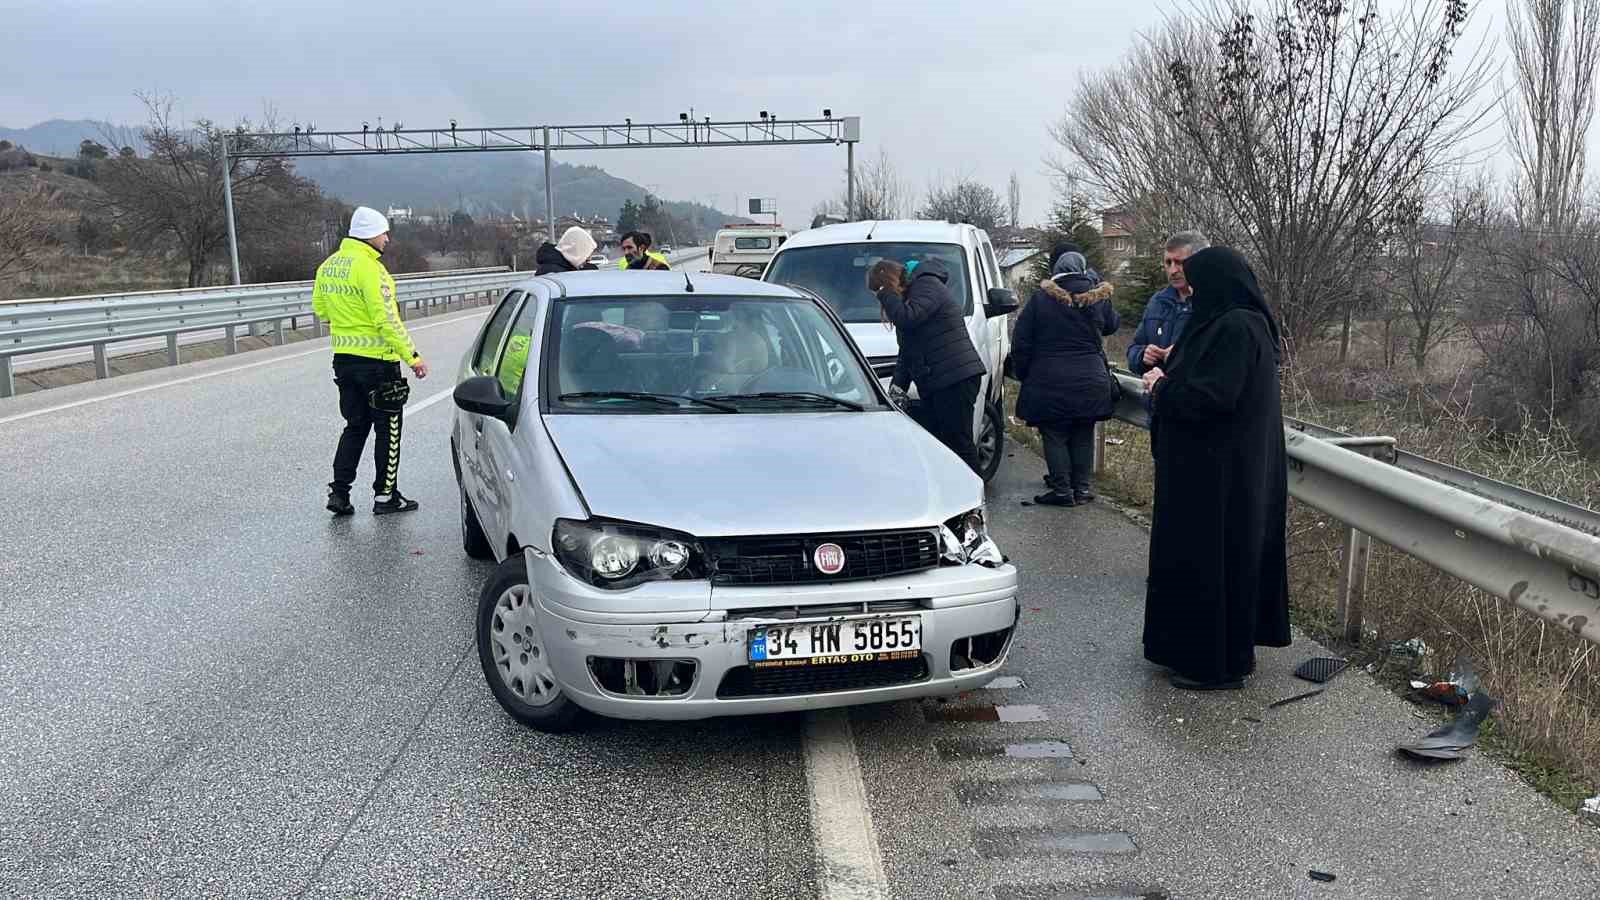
{"x":701,"y":355}
{"x":838,"y":273}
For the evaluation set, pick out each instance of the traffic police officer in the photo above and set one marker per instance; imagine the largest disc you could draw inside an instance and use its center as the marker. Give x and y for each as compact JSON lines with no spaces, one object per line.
{"x":355,"y":295}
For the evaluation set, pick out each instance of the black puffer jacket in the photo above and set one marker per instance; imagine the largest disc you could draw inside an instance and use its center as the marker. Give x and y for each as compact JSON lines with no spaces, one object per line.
{"x":1057,"y":353}
{"x":550,"y":260}
{"x":935,"y":349}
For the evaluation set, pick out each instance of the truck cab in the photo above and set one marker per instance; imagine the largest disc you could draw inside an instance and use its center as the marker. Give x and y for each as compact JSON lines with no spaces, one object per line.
{"x":832,"y":262}
{"x":745,"y":249}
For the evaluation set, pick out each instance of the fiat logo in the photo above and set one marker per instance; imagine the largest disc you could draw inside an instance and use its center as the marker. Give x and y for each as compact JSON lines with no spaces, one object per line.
{"x":829,"y":559}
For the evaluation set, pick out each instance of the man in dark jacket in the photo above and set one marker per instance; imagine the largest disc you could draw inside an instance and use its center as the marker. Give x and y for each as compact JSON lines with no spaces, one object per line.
{"x":936,"y":353}
{"x":1168,"y":311}
{"x":1066,"y":389}
{"x":570,"y":255}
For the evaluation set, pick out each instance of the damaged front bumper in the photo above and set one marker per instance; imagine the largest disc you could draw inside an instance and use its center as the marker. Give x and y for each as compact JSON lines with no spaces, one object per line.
{"x":694,"y":664}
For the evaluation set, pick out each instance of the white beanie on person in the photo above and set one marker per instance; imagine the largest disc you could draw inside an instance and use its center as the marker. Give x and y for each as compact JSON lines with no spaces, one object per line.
{"x":367,"y":223}
{"x":576,"y":245}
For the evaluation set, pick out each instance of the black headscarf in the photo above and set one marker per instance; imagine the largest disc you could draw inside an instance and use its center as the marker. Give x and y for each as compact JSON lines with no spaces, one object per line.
{"x":1222,"y":280}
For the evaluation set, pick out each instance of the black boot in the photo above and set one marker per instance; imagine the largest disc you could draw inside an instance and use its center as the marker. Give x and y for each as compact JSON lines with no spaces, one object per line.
{"x":394,"y":503}
{"x":339,"y":503}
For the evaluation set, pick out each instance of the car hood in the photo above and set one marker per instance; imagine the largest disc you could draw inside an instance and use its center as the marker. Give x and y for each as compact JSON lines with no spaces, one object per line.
{"x":873,"y":339}
{"x":723,"y":475}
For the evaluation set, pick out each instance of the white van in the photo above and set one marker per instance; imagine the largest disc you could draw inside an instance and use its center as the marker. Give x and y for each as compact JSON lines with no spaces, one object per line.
{"x":832,"y":262}
{"x":745,"y":249}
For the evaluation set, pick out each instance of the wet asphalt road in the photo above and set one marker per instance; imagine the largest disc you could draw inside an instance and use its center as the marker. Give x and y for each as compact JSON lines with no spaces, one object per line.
{"x":211,"y":689}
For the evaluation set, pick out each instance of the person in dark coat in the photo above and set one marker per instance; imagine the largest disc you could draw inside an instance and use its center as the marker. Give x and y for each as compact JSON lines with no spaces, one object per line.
{"x":936,"y":353}
{"x":1066,"y":387}
{"x":571,"y":255}
{"x":1219,"y":575}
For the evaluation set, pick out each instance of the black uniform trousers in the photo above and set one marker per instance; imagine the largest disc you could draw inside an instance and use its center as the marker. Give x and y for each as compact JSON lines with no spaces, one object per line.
{"x":356,"y":377}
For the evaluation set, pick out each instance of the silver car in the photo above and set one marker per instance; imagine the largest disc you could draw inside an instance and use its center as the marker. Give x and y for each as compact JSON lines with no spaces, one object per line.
{"x":703,"y":504}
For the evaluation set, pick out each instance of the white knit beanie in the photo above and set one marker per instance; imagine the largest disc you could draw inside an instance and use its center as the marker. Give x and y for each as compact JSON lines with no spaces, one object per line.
{"x":576,"y":245}
{"x":367,"y":223}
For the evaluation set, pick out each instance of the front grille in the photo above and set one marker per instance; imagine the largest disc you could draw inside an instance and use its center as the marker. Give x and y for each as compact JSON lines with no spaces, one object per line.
{"x":820,"y":679}
{"x":788,"y":559}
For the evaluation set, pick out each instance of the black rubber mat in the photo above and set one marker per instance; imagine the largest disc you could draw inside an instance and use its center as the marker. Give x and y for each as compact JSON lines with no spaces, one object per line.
{"x":1320,"y":669}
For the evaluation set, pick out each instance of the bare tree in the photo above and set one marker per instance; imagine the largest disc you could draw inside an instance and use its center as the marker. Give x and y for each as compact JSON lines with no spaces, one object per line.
{"x":1423,"y":274}
{"x":1014,"y":201}
{"x":176,"y":192}
{"x":966,"y":201}
{"x":880,"y":191}
{"x":24,"y":231}
{"x":1549,"y":106}
{"x":1297,"y":134}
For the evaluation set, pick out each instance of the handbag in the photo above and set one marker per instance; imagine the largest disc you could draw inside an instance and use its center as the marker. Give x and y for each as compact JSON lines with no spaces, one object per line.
{"x":1111,"y":376}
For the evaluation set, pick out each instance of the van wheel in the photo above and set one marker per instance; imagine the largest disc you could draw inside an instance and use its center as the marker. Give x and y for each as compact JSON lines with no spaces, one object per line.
{"x":512,"y":651}
{"x":991,"y":441}
{"x":473,"y":540}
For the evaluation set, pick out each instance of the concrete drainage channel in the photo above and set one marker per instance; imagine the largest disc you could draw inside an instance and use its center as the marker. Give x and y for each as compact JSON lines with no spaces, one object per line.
{"x":1042,"y":775}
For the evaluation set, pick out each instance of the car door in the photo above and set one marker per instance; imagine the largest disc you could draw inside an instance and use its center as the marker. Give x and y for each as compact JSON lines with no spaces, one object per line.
{"x":504,"y":464}
{"x":1000,"y":328}
{"x":978,"y":325}
{"x":469,"y":427}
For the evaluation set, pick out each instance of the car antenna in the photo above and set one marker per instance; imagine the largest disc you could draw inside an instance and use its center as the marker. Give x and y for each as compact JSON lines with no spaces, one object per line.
{"x":688,"y":286}
{"x":871,"y":228}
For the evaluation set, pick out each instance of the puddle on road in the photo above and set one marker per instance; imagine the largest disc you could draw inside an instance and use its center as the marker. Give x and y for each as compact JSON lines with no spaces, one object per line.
{"x":984,"y":713}
{"x":1013,"y":749}
{"x":1002,"y":843}
{"x":1028,"y":792}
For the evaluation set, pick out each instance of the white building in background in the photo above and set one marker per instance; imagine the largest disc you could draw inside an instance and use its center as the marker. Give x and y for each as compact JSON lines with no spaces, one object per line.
{"x":397,"y":214}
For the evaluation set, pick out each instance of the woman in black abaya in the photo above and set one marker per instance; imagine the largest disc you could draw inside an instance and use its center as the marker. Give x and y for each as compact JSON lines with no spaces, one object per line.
{"x":1219,"y":583}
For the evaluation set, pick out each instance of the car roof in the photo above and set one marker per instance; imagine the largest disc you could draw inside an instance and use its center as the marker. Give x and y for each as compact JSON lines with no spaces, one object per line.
{"x":895,"y":230}
{"x":617,"y":283}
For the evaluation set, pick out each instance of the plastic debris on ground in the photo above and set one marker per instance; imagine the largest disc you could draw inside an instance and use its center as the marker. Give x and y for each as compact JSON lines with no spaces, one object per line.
{"x":1454,"y":689}
{"x":1321,"y":876}
{"x":1590,"y":810}
{"x":1319,"y":670}
{"x":1288,"y":700}
{"x":1447,"y":741}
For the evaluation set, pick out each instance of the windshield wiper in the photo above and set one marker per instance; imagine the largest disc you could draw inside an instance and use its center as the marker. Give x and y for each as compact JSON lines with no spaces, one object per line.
{"x":646,"y":397}
{"x":807,"y":396}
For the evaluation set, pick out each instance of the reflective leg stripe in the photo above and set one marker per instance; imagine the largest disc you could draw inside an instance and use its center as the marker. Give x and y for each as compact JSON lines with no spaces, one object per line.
{"x":391,"y":470}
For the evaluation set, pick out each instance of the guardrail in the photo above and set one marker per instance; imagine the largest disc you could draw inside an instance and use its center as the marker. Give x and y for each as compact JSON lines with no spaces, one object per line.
{"x":214,"y":290}
{"x":99,"y":322}
{"x":1535,"y":551}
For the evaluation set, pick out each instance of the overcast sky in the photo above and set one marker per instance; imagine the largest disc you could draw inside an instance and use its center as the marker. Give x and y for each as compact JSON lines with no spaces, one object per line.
{"x":945,"y":88}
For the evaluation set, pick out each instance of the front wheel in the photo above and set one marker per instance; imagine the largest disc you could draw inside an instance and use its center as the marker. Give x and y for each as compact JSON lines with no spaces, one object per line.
{"x":991,"y":440}
{"x":511,"y":649}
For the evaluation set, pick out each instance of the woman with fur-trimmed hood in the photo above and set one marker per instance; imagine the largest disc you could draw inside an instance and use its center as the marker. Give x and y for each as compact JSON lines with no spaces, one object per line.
{"x":1066,"y":387}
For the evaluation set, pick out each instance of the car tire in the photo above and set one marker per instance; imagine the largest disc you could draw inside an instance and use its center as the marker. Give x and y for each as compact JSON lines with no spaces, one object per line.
{"x":511,"y":650}
{"x":991,"y":440}
{"x":473,"y":540}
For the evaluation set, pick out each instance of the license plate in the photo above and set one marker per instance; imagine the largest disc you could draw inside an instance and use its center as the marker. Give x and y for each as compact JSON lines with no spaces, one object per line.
{"x":830,"y":643}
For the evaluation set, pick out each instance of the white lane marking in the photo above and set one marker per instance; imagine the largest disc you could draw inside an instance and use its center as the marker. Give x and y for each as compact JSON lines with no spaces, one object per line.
{"x":421,"y":405}
{"x":849,"y":864}
{"x":204,"y":375}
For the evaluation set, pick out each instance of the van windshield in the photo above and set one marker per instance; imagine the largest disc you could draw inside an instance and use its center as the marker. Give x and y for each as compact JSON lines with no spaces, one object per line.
{"x":838,"y":273}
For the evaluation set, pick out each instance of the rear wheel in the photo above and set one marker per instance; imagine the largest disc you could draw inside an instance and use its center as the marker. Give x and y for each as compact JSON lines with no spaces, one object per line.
{"x":991,"y":440}
{"x":512,"y":652}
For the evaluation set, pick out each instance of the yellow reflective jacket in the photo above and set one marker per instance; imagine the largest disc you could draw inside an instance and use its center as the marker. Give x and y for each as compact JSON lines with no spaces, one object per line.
{"x":622,"y":261}
{"x":355,"y":295}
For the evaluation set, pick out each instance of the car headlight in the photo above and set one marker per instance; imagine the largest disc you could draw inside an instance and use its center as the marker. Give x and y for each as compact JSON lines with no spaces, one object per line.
{"x":619,"y":555}
{"x":965,"y":539}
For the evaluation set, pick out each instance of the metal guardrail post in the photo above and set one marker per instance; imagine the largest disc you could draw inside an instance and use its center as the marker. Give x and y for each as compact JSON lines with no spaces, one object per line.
{"x":1099,"y":447}
{"x":8,"y":380}
{"x":278,"y":337}
{"x":102,"y":367}
{"x":230,"y":341}
{"x":1354,"y":554}
{"x":172,"y":349}
{"x":316,"y":327}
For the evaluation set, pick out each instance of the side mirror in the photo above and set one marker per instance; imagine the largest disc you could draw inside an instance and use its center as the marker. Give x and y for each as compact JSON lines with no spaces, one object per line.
{"x":1001,"y":302}
{"x":484,"y":396}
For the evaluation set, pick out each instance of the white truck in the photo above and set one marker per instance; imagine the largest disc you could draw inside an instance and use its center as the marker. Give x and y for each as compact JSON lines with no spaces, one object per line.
{"x":745,"y":249}
{"x":832,"y":262}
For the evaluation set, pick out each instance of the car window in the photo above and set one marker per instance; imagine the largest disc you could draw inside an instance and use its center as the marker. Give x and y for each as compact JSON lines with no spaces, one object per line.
{"x":995,"y":276}
{"x":695,"y":354}
{"x":752,"y":243}
{"x":838,"y":273}
{"x":483,"y":359}
{"x":513,"y":363}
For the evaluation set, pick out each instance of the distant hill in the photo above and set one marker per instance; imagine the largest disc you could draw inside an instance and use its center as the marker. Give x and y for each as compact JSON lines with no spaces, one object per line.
{"x":476,"y":182}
